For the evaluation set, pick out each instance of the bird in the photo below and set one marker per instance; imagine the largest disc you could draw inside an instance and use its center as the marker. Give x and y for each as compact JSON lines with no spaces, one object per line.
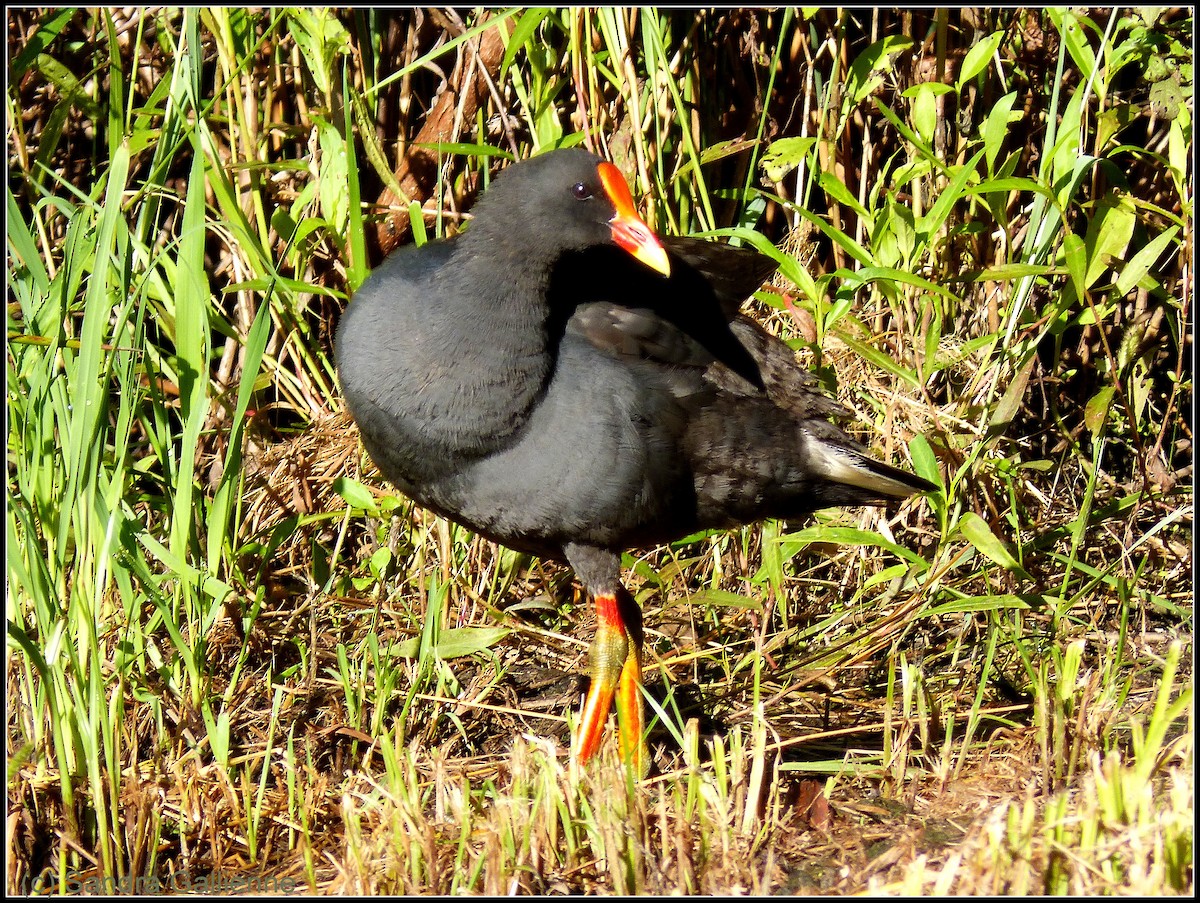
{"x":561,"y":380}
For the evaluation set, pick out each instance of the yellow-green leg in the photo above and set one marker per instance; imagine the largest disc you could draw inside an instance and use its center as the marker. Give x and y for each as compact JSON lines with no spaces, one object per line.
{"x":615,"y":657}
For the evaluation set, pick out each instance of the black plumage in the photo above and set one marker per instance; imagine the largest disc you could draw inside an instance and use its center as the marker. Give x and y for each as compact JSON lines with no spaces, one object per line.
{"x":532,"y":380}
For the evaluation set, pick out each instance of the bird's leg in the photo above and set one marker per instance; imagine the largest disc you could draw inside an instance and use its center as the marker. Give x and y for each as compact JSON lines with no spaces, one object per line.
{"x":615,"y":658}
{"x":629,"y":689}
{"x":616,"y":665}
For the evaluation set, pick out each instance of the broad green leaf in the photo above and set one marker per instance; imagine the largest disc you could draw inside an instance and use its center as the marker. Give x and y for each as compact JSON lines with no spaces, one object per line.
{"x":924,"y":460}
{"x":724,"y":598}
{"x":999,"y":602}
{"x":867,"y":71}
{"x":1010,"y":401}
{"x":977,"y":532}
{"x":416,"y":221}
{"x":1166,"y":97}
{"x":42,"y":38}
{"x":1074,"y":36}
{"x":522,"y":32}
{"x":924,"y":107}
{"x":1075,"y":257}
{"x":356,"y":494}
{"x":219,"y":518}
{"x":463,"y":148}
{"x":1180,"y":149}
{"x":455,"y":642}
{"x":978,"y":57}
{"x":1006,"y":272}
{"x":886,"y":575}
{"x":1069,"y":163}
{"x":1095,"y":412}
{"x":1108,"y":235}
{"x":23,"y":250}
{"x":840,"y":193}
{"x":785,"y":155}
{"x":216,"y":589}
{"x":788,"y":265}
{"x":320,"y":37}
{"x":357,"y":266}
{"x":924,"y":115}
{"x":1013,"y":183}
{"x":894,"y":236}
{"x":1137,"y":268}
{"x":68,"y":85}
{"x":933,"y":221}
{"x":332,"y":176}
{"x":885,"y":274}
{"x":846,"y":536}
{"x":193,"y":341}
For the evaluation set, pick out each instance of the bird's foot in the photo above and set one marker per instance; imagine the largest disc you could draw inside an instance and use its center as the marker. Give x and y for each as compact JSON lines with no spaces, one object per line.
{"x":615,"y":658}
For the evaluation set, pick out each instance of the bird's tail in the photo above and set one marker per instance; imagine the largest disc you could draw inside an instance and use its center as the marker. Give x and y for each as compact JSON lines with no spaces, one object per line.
{"x":865,"y":479}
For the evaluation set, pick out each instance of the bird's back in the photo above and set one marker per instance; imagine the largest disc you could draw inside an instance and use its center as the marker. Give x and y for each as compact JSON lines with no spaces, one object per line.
{"x":754,"y":432}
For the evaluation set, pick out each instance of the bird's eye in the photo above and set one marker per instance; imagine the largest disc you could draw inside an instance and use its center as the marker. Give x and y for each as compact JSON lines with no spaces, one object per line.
{"x":581,"y":192}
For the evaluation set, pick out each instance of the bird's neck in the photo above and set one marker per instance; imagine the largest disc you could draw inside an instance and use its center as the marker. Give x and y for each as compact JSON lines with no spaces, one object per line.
{"x":499,"y":314}
{"x":489,"y":335}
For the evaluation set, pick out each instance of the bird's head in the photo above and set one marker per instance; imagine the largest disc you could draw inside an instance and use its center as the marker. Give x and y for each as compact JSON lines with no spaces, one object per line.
{"x":567,"y":200}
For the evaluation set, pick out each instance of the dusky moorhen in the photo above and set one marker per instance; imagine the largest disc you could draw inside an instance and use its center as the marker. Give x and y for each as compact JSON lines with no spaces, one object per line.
{"x":559,"y":380}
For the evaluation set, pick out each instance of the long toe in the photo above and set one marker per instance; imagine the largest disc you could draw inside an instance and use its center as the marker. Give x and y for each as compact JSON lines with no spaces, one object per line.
{"x":630,"y":720}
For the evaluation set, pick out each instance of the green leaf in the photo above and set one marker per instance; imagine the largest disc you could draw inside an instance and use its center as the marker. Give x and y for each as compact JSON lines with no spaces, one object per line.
{"x":840,"y":193}
{"x":977,"y":58}
{"x":1166,"y":97}
{"x":1108,"y":236}
{"x":356,"y":494}
{"x":998,"y":602}
{"x":950,"y":196}
{"x":1010,"y":402}
{"x":357,"y":267}
{"x":847,"y":536}
{"x":1075,"y":256}
{"x":724,"y":598}
{"x":977,"y":532}
{"x":924,"y":460}
{"x":1137,"y":268}
{"x":210,"y":586}
{"x":1007,"y":272}
{"x":68,"y":85}
{"x":785,"y":155}
{"x":193,"y":341}
{"x":887,"y":575}
{"x":889,"y":274}
{"x":455,"y":642}
{"x":463,"y":148}
{"x":1095,"y":412}
{"x":520,"y":36}
{"x":1074,"y":38}
{"x":42,"y":38}
{"x":24,"y":251}
{"x":995,"y":128}
{"x":320,"y":37}
{"x":867,"y":70}
{"x":1179,"y":149}
{"x":416,"y":221}
{"x":332,"y":176}
{"x":219,"y":517}
{"x":924,"y":112}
